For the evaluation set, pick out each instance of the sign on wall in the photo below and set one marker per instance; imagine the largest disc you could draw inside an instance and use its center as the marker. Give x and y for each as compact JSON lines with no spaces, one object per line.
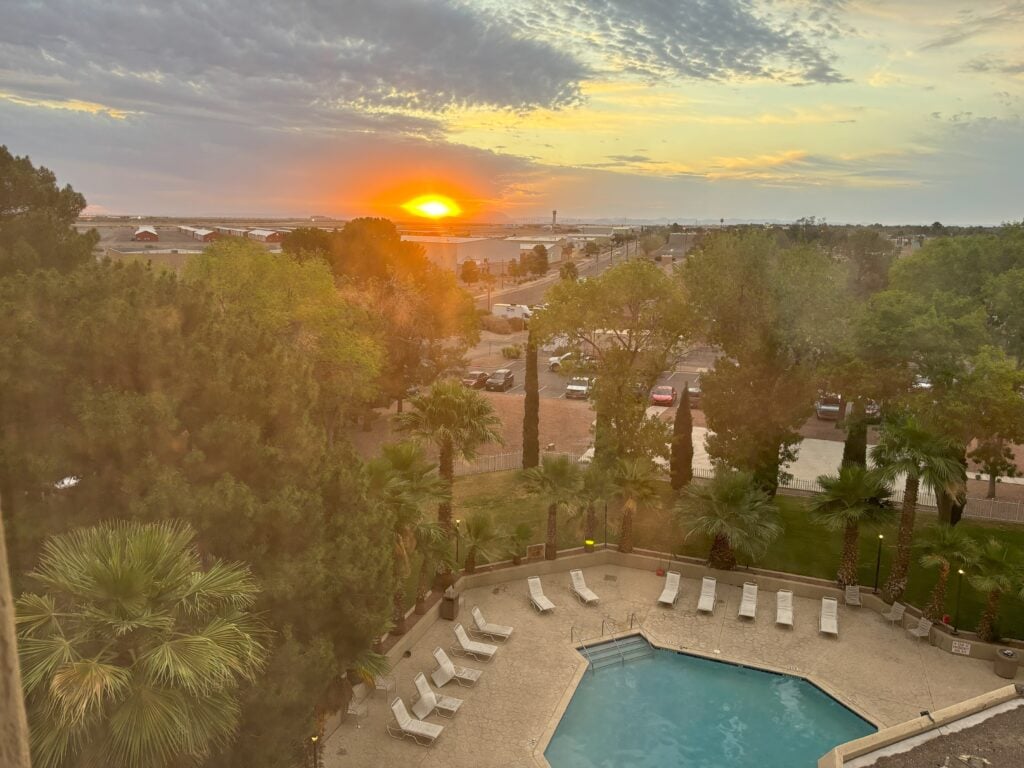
{"x":961,"y":648}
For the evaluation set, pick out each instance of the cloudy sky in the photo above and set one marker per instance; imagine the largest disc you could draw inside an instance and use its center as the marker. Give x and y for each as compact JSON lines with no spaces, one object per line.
{"x":852,"y":110}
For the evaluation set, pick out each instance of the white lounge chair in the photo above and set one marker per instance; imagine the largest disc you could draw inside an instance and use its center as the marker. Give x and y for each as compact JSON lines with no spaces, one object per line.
{"x":579,"y":588}
{"x":708,"y":587}
{"x":467,"y":647}
{"x":670,"y":593}
{"x":895,"y":614}
{"x":447,"y":671}
{"x":537,"y":598}
{"x":784,"y":607}
{"x":490,"y":631}
{"x":922,"y":630}
{"x":851,"y":595}
{"x":407,"y":726}
{"x":829,"y":621}
{"x":748,"y":604}
{"x":429,"y":701}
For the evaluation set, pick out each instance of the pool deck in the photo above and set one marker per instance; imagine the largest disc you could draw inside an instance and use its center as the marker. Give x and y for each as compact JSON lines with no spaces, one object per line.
{"x":880,"y":671}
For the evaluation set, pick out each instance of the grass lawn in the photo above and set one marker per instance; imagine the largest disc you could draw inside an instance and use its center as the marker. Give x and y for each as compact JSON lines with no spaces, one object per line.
{"x":804,"y":547}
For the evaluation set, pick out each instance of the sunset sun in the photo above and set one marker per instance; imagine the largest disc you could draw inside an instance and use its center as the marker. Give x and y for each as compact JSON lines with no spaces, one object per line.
{"x":432,"y":206}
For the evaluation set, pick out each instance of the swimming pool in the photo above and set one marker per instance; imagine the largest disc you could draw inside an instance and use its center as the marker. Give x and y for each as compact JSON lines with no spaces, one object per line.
{"x":666,"y":709}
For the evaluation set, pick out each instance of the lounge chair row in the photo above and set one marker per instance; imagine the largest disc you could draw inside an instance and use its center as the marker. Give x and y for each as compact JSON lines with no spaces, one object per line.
{"x":578,"y":587}
{"x":429,"y":701}
{"x":828,"y":620}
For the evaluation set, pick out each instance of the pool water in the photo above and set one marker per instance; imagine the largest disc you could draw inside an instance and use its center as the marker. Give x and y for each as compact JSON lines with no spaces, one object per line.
{"x":669,"y":709}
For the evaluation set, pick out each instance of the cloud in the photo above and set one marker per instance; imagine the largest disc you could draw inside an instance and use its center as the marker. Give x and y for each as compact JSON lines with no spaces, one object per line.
{"x":996,"y":65}
{"x":631,"y":159}
{"x":70,"y":105}
{"x":969,"y":25}
{"x":726,"y":40}
{"x":307,"y":64}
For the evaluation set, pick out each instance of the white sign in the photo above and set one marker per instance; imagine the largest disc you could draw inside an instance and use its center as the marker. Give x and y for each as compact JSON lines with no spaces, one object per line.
{"x":961,"y":648}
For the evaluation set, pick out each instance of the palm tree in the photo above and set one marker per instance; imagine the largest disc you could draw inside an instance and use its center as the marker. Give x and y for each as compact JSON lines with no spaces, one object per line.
{"x":481,"y":539}
{"x":558,"y":480}
{"x":635,"y":481}
{"x":734,"y":513}
{"x":597,"y":487}
{"x":14,"y":738}
{"x":996,"y":571}
{"x":455,"y":420}
{"x":942,"y":546}
{"x":517,"y":539}
{"x":401,"y":482}
{"x":132,"y":652}
{"x":433,"y":545}
{"x":906,"y":450}
{"x":850,"y":499}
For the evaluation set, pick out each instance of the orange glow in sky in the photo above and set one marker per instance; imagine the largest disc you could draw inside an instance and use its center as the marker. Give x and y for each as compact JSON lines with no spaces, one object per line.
{"x":432,"y":206}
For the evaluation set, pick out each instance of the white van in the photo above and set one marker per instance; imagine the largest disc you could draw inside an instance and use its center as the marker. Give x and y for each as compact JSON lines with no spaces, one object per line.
{"x":512,"y":311}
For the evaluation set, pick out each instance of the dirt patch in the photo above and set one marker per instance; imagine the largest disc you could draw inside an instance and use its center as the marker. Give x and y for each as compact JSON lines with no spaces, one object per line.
{"x":998,"y":742}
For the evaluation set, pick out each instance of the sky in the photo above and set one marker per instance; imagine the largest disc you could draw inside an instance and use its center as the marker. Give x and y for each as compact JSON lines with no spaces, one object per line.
{"x":891,"y":111}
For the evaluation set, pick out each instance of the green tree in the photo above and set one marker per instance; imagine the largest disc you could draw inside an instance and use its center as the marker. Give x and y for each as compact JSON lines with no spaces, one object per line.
{"x":558,"y":481}
{"x":568,"y":270}
{"x":531,"y":406}
{"x":597,"y":488}
{"x":538,"y":260}
{"x":681,"y":464}
{"x":591,"y":248}
{"x":14,"y":736}
{"x":997,"y":571}
{"x":853,"y":498}
{"x":906,"y":450}
{"x":942,"y":547}
{"x":469,"y":272}
{"x":37,"y":220}
{"x":132,"y":651}
{"x":635,"y":482}
{"x":457,"y":421}
{"x":771,"y":310}
{"x":481,"y":538}
{"x":738,"y":517}
{"x":307,"y":242}
{"x":433,"y":545}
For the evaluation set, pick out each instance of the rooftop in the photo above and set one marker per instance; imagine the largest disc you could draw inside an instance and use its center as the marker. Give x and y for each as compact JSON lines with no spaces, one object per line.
{"x":440,"y":239}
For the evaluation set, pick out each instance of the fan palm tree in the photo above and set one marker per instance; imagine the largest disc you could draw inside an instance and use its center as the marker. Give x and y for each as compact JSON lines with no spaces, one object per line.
{"x":597,"y":487}
{"x":906,"y":450}
{"x":996,"y":571}
{"x":558,"y":481}
{"x":854,"y":497}
{"x":14,"y":738}
{"x":434,"y":547}
{"x":943,"y":546}
{"x":481,"y":539}
{"x":734,"y":513}
{"x":635,"y":481}
{"x":455,"y":420}
{"x":401,"y":482}
{"x":132,"y":653}
{"x":517,"y":539}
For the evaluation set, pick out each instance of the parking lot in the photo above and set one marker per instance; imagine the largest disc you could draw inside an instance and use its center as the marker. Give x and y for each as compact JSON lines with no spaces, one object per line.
{"x":487,"y":356}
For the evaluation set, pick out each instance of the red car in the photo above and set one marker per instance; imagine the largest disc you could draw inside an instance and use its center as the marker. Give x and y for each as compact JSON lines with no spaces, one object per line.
{"x":663,"y":395}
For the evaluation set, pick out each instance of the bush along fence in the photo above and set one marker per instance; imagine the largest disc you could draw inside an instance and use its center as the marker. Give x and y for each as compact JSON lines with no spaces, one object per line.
{"x":977,"y":508}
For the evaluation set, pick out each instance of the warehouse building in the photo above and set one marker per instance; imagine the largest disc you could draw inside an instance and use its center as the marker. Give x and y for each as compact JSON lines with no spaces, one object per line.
{"x":199,"y":233}
{"x":554,"y":245}
{"x":265,"y":235}
{"x":452,"y":252}
{"x":146,"y":234}
{"x":232,"y":231}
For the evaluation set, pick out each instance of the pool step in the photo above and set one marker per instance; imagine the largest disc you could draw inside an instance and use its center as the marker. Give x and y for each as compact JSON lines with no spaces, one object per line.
{"x":627,"y":649}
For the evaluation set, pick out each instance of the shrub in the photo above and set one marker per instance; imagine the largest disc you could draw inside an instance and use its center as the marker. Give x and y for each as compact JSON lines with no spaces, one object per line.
{"x":495,"y":324}
{"x":512,"y":352}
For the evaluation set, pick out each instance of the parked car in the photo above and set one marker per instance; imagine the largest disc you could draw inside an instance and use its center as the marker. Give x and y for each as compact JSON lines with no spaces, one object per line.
{"x":578,"y":388}
{"x":828,"y":407}
{"x":501,"y":380}
{"x":663,"y":395}
{"x":475,"y":379}
{"x":555,"y":362}
{"x":693,"y":391}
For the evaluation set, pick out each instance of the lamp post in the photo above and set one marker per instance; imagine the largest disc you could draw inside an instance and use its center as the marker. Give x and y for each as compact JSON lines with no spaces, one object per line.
{"x":316,"y":756}
{"x":606,"y":524}
{"x":956,"y":614}
{"x":457,"y":539}
{"x":878,"y":563}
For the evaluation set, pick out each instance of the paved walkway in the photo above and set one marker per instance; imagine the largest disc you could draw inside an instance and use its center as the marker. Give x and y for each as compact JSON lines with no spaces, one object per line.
{"x":882,"y":671}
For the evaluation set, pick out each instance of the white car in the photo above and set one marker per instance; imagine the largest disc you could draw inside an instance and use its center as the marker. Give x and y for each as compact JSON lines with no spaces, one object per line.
{"x":578,"y":388}
{"x":555,"y":362}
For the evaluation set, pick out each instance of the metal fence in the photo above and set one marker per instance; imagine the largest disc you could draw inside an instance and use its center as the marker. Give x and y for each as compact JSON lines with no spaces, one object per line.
{"x":503,"y":462}
{"x":995,"y":509}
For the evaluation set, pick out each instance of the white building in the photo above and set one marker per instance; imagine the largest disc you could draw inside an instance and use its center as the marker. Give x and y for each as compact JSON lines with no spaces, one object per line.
{"x":452,"y":252}
{"x":554,"y":244}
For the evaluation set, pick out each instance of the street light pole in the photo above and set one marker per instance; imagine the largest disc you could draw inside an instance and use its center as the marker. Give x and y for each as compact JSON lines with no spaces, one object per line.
{"x":606,"y":524}
{"x":316,"y":756}
{"x":878,"y":563}
{"x":956,"y":615}
{"x":457,"y":539}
